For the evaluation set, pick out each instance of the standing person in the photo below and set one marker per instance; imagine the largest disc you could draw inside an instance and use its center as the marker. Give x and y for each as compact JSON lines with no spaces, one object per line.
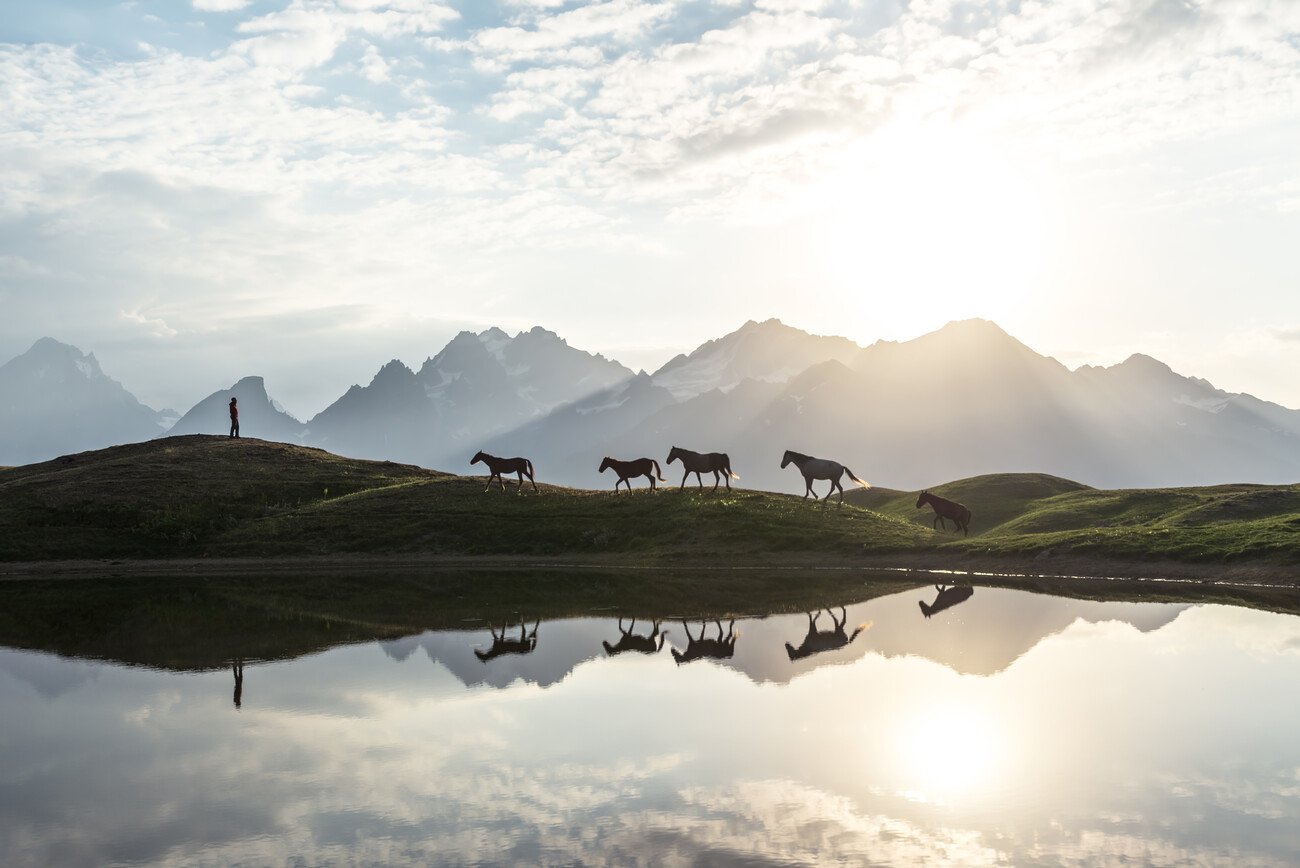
{"x":234,"y":417}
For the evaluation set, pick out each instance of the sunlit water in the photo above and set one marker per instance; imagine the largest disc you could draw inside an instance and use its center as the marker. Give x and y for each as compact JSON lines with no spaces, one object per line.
{"x":1010,"y":728}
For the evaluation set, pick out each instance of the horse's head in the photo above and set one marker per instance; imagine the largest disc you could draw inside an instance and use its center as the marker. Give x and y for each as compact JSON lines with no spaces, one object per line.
{"x":674,"y":454}
{"x":478,"y":456}
{"x":604,"y":465}
{"x":920,"y":501}
{"x":786,"y":459}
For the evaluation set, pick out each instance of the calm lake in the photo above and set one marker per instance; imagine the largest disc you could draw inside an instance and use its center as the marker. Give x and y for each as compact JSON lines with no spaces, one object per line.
{"x":1007,"y":728}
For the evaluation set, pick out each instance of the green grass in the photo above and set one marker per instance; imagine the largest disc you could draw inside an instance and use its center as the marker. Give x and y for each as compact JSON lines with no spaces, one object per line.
{"x":190,"y":497}
{"x":993,"y":499}
{"x":213,"y":496}
{"x":1224,"y":523}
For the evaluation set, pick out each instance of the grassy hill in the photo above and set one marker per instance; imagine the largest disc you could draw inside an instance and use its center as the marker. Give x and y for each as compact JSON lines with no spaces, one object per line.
{"x":1224,"y":523}
{"x":213,"y":496}
{"x":993,"y":499}
{"x":199,"y":496}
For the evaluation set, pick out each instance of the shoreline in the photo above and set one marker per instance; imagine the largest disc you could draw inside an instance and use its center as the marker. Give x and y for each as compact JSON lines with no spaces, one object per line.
{"x":936,"y":565}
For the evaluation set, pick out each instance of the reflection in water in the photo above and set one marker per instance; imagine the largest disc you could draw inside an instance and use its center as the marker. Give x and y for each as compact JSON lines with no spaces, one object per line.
{"x":720,"y":648}
{"x":630,"y":641}
{"x":948,"y":597}
{"x":1023,"y":734}
{"x":501,"y":644}
{"x":818,"y":641}
{"x":237,"y":666}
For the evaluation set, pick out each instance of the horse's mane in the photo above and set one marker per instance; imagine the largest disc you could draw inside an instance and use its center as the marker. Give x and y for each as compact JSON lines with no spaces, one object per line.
{"x":794,"y":454}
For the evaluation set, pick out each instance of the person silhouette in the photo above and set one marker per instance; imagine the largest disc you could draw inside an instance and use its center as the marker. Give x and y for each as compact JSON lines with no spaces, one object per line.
{"x":238,"y":666}
{"x":234,"y":417}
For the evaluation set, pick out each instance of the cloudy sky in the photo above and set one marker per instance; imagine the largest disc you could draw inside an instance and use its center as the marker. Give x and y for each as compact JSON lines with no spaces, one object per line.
{"x":306,"y":189}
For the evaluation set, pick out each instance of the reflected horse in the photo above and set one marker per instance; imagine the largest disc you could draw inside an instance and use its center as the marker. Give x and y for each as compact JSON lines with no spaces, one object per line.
{"x":647,"y":467}
{"x":948,"y":597}
{"x":945,"y":509}
{"x":525,"y":644}
{"x":721,"y":648}
{"x":819,"y":468}
{"x":629,"y":641}
{"x":497,"y":466}
{"x":717,"y":463}
{"x":818,"y":641}
{"x":237,"y":666}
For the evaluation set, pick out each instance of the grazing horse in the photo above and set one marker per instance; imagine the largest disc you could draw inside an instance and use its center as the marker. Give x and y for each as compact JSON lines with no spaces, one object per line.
{"x":819,"y":468}
{"x":948,"y":597}
{"x":521,"y":466}
{"x":630,"y":641}
{"x":818,"y":641}
{"x":647,"y":467}
{"x":525,"y":644}
{"x":943,"y":509}
{"x":721,"y":648}
{"x":703,"y":462}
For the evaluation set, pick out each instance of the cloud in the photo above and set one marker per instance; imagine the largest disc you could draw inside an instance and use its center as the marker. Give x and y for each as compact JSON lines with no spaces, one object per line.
{"x":220,"y":5}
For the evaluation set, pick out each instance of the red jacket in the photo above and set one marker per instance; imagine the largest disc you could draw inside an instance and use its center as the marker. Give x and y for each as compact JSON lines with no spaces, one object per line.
{"x":234,"y":413}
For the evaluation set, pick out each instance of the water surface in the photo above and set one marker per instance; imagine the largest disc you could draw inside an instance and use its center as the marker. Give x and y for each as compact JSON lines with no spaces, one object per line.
{"x":1007,"y":728}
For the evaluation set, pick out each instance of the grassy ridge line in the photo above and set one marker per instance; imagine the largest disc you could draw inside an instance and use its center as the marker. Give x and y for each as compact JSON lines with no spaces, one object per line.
{"x":212,"y":496}
{"x":994,"y":499}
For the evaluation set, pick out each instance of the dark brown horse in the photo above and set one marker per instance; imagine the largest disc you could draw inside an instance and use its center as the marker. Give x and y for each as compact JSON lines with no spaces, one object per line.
{"x":819,"y":468}
{"x":647,"y":467}
{"x":716,"y":463}
{"x":629,"y":641}
{"x":525,"y":644}
{"x":721,"y":648}
{"x":948,"y":597}
{"x":498,"y":466}
{"x":945,"y":509}
{"x":818,"y":641}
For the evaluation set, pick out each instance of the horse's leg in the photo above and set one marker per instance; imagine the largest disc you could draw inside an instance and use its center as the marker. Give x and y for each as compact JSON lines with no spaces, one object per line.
{"x":521,"y":481}
{"x":841,"y":488}
{"x":685,"y":473}
{"x":715,"y":488}
{"x":699,"y":479}
{"x":650,"y":476}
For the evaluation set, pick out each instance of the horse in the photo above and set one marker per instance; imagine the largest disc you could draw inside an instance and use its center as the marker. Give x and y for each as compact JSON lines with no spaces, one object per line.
{"x":521,"y":466}
{"x":948,"y":597}
{"x":630,"y":641}
{"x":943,"y":509}
{"x":820,"y":468}
{"x":818,"y":641}
{"x":647,"y":467}
{"x":721,"y":648}
{"x":703,"y":462}
{"x":525,"y":644}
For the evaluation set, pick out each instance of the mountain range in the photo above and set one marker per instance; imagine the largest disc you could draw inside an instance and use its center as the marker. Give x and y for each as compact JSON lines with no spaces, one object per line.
{"x":966,"y":399}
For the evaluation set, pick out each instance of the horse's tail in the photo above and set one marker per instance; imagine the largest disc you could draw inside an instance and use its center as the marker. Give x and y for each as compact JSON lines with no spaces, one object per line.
{"x":854,"y":477}
{"x":658,"y":473}
{"x":730,"y":472}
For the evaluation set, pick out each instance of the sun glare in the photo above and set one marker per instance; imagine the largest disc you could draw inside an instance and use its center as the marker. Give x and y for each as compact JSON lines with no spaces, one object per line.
{"x":948,"y":751}
{"x":932,"y":217}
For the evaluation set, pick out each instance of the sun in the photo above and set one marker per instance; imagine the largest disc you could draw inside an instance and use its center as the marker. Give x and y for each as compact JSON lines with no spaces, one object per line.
{"x":936,"y":218}
{"x":948,"y":751}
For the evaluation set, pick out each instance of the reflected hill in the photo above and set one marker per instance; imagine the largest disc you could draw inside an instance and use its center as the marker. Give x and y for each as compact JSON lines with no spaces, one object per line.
{"x":201,"y":625}
{"x":990,"y":631}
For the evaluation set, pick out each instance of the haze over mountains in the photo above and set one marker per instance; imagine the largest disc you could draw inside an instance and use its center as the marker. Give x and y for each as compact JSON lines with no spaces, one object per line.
{"x":966,"y":399}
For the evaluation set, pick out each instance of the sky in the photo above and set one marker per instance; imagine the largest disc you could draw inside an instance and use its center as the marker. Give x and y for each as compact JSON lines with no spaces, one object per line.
{"x":304,"y":190}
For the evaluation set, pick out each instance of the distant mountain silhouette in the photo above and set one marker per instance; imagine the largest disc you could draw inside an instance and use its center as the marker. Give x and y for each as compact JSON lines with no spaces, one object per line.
{"x":54,"y":400}
{"x":964,"y":400}
{"x":259,"y":416}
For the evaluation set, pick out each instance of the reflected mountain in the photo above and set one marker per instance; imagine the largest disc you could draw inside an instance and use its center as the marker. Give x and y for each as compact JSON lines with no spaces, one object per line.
{"x":220,"y":625}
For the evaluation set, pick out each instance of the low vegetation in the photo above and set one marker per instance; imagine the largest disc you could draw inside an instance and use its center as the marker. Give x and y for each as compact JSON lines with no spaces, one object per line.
{"x":212,"y":497}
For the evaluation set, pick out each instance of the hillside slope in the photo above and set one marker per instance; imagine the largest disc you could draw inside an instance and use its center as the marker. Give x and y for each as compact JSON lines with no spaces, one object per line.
{"x":993,"y":499}
{"x":199,"y":496}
